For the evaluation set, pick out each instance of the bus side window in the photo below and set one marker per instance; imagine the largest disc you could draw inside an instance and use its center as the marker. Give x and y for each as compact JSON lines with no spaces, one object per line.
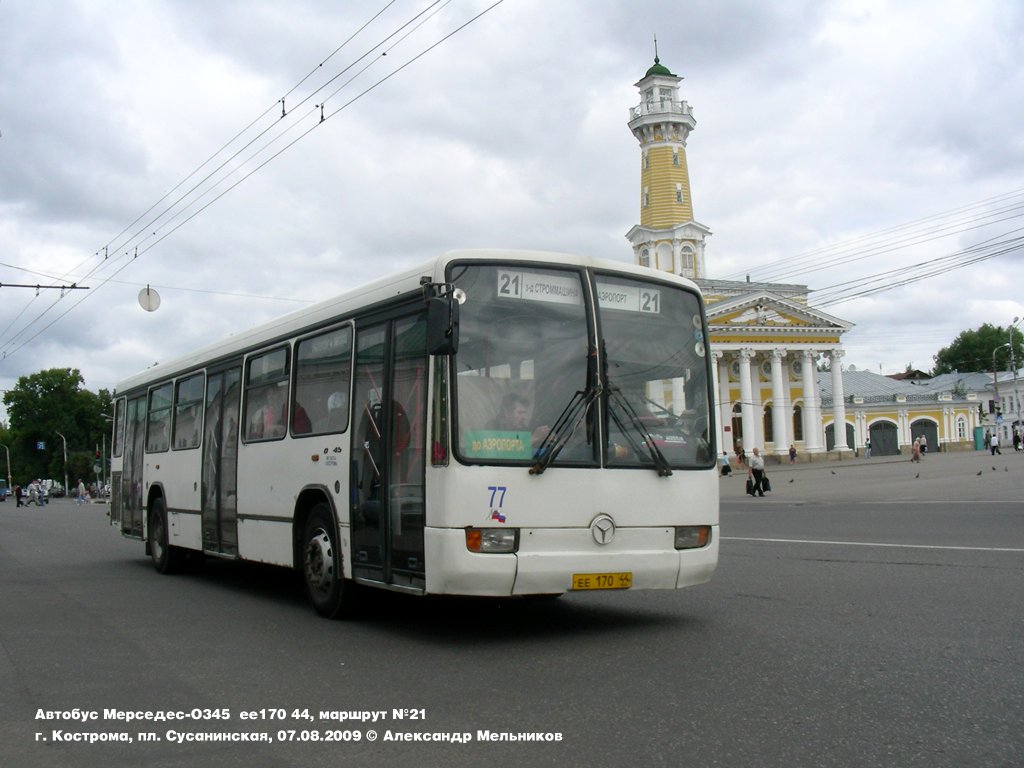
{"x":266,"y":395}
{"x":323,"y":366}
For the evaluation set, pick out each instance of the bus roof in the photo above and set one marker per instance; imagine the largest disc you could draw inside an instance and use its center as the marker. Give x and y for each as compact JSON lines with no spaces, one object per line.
{"x":376,"y":293}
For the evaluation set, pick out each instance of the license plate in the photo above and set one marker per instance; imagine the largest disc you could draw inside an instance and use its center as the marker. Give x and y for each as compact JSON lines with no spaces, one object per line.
{"x":602,"y":580}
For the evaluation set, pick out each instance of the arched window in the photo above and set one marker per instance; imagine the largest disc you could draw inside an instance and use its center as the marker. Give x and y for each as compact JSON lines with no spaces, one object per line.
{"x":769,"y":433}
{"x":686,"y":257}
{"x":798,"y":422}
{"x":737,"y":425}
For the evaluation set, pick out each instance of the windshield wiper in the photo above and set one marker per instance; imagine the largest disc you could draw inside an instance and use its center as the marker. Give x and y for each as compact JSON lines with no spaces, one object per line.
{"x":563,"y":429}
{"x":634,"y":421}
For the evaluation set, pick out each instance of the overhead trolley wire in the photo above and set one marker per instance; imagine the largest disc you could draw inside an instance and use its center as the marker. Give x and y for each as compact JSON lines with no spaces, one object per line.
{"x":848,"y":290}
{"x":888,"y":239}
{"x":323,"y":118}
{"x":275,"y":124}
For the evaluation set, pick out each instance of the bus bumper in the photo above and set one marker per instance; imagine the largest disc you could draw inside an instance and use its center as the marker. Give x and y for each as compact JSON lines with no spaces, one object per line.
{"x":548,"y":559}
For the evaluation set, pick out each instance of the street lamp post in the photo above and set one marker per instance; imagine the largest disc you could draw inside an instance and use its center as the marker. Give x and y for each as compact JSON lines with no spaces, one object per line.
{"x":65,"y":463}
{"x":1013,"y":367}
{"x":995,"y":388}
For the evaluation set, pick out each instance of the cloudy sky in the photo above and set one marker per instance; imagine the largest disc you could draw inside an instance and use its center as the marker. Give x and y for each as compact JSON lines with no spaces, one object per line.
{"x":865,"y":141}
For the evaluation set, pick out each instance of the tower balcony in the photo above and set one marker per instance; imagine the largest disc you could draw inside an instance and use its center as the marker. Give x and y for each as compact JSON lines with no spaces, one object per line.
{"x":660,"y":109}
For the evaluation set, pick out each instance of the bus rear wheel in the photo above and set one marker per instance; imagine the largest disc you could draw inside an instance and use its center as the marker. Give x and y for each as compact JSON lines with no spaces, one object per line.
{"x":166,"y":559}
{"x":322,"y":567}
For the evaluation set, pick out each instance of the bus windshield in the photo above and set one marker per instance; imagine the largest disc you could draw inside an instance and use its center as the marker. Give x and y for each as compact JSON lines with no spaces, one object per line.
{"x":522,"y":360}
{"x":528,"y":388}
{"x":655,"y":375}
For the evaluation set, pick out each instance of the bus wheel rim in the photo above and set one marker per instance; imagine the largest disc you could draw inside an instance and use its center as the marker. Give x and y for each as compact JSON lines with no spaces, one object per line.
{"x":320,"y":562}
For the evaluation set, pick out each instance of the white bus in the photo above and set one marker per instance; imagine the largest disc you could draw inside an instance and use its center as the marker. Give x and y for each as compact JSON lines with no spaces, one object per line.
{"x":493,"y":423}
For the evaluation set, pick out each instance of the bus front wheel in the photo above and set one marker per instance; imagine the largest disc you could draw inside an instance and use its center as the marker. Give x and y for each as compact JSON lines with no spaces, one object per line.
{"x":332,"y":596}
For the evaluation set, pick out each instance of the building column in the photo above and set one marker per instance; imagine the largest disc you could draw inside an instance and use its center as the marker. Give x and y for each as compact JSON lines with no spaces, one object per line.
{"x":780,"y":408}
{"x":725,"y":404}
{"x":812,"y":407}
{"x":757,"y":407}
{"x":838,"y":401}
{"x":720,"y":396}
{"x":746,"y":400}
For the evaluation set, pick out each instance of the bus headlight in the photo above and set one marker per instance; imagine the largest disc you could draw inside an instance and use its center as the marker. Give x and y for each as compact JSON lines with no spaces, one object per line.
{"x":492,"y":540}
{"x":693,"y":536}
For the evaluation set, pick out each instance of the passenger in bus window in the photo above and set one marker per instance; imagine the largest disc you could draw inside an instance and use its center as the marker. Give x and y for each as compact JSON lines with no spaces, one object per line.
{"x":514,"y":416}
{"x":515,"y":410}
{"x":269,"y":420}
{"x":301,"y":425}
{"x":337,"y":412}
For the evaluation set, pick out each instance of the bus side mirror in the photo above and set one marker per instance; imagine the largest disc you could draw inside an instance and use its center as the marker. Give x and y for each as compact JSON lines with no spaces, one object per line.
{"x":442,"y":325}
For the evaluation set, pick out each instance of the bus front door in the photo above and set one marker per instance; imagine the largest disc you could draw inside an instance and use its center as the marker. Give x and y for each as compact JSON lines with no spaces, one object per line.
{"x":220,"y":463}
{"x":388,"y":452}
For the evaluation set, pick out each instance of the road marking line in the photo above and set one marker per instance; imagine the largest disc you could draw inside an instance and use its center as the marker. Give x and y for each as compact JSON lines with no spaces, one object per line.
{"x":873,"y":544}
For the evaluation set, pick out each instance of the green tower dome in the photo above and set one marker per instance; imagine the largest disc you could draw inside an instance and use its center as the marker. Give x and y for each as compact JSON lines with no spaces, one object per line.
{"x":658,"y":69}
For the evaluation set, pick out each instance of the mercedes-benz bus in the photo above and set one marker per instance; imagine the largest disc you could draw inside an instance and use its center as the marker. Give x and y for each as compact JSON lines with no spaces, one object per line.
{"x":491,"y":423}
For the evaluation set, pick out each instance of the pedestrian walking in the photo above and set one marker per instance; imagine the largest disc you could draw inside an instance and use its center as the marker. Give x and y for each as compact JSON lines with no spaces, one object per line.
{"x":726,"y":469}
{"x":755,"y":473}
{"x":994,"y":444}
{"x":81,"y":492}
{"x":916,"y":453}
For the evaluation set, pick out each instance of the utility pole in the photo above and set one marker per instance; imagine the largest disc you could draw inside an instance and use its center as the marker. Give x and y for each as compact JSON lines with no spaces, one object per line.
{"x":65,"y":462}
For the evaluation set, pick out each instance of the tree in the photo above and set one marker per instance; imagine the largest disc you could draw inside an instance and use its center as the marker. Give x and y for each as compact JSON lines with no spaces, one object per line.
{"x":973,"y":350}
{"x":42,"y":407}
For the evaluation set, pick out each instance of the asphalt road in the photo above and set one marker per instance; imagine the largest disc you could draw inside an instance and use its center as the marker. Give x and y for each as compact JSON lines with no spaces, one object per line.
{"x":870,"y":617}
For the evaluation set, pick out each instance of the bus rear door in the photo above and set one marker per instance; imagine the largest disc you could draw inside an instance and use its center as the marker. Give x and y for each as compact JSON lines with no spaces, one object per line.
{"x":220,"y":462}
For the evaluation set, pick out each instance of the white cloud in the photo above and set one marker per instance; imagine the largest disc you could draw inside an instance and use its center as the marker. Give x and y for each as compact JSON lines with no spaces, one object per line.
{"x":817,"y":122}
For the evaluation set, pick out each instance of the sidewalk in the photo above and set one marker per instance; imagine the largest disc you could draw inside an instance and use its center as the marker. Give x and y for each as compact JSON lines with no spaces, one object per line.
{"x":963,"y":475}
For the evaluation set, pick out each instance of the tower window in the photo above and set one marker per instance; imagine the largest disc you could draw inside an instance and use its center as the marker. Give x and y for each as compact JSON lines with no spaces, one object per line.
{"x":645,"y":161}
{"x":679,"y":193}
{"x":647,"y":197}
{"x":687,"y":258}
{"x":675,"y":156}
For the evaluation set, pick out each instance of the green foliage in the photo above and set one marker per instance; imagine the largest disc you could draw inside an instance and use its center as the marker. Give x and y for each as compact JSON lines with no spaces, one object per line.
{"x":43,"y":406}
{"x":974,"y":350}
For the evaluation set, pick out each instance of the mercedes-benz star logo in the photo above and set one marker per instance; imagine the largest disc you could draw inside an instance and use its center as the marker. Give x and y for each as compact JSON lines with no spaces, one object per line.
{"x":603,"y":529}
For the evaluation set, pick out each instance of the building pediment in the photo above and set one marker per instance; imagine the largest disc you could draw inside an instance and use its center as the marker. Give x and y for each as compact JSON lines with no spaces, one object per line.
{"x":764,"y":313}
{"x":688,"y":230}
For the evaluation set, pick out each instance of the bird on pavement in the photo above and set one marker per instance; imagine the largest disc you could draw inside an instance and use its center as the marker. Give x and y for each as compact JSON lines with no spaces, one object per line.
{"x":979,"y":473}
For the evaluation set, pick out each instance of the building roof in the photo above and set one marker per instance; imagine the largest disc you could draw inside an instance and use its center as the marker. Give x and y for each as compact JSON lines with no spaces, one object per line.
{"x":876,"y":388}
